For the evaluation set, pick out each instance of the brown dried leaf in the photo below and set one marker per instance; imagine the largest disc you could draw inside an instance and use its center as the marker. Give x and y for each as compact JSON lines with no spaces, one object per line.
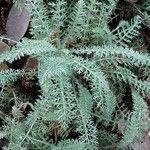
{"x":17,"y":23}
{"x":32,"y":64}
{"x":56,"y":130}
{"x":3,"y":67}
{"x":3,"y":47}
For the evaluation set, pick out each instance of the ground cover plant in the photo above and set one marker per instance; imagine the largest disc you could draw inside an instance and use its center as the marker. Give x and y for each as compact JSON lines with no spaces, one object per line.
{"x":74,"y":74}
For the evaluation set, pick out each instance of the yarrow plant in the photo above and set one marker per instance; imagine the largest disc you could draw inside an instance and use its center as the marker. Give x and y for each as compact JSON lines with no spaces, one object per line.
{"x":83,"y":71}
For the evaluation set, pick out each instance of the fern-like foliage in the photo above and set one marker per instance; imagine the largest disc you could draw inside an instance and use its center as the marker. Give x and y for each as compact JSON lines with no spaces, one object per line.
{"x":137,"y":122}
{"x":127,"y":76}
{"x":77,"y":22}
{"x":10,"y":76}
{"x":127,"y":31}
{"x":69,"y":145}
{"x":58,"y":14}
{"x":24,"y":48}
{"x":40,"y":26}
{"x":82,"y":70}
{"x":85,"y":125}
{"x":99,"y":86}
{"x":14,"y":132}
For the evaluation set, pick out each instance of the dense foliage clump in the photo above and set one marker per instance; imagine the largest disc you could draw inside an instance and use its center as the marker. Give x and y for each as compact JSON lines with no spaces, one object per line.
{"x":89,"y":94}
